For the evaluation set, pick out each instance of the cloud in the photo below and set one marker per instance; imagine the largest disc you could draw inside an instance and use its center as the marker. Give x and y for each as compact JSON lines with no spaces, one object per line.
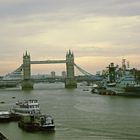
{"x":102,"y":33}
{"x":81,"y":8}
{"x":47,"y":29}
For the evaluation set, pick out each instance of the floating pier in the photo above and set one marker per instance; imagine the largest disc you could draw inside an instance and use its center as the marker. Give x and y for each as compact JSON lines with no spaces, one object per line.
{"x":2,"y":137}
{"x":103,"y":91}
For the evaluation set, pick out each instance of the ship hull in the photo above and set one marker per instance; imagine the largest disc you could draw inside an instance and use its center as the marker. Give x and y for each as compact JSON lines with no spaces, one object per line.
{"x":126,"y":91}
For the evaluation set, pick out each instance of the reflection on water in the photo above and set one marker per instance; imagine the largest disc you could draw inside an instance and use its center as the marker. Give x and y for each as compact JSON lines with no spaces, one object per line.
{"x":78,"y":114}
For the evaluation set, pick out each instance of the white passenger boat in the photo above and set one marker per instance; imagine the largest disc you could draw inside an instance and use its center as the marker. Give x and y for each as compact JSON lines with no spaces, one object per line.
{"x":26,"y":107}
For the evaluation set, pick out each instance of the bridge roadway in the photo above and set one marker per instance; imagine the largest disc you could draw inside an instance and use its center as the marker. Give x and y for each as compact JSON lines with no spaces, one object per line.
{"x":48,"y":62}
{"x":14,"y":82}
{"x":62,"y":79}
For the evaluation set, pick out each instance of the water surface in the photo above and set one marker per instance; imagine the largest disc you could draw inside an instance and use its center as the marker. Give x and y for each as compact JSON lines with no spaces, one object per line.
{"x":78,"y":114}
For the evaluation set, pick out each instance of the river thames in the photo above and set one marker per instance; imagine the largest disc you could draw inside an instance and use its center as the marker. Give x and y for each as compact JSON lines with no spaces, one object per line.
{"x":78,"y":114}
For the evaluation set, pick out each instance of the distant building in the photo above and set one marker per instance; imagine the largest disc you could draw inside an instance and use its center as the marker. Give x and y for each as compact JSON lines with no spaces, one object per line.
{"x":53,"y":74}
{"x":64,"y":74}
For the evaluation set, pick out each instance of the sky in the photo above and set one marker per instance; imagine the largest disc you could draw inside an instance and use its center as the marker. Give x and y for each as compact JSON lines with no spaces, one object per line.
{"x":97,"y":31}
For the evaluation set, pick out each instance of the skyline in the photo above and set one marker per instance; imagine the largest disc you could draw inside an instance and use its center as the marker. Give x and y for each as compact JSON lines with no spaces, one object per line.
{"x":98,"y":32}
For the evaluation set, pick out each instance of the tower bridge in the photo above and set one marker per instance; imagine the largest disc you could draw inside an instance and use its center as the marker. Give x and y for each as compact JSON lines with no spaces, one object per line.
{"x":70,"y":80}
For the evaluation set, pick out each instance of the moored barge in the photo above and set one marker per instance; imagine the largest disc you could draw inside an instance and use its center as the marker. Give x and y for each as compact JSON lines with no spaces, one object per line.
{"x":36,"y":123}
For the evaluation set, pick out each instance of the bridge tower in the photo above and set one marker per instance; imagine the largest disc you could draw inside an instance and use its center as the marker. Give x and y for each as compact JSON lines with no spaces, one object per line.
{"x":70,"y":78}
{"x":27,"y":83}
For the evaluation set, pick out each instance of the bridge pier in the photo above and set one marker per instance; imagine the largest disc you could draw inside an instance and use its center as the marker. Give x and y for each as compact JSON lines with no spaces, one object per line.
{"x":70,"y":81}
{"x":27,"y":83}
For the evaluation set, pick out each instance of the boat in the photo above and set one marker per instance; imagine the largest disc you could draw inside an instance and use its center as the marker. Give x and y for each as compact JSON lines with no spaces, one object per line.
{"x":126,"y":85}
{"x":102,"y":90}
{"x":85,"y":89}
{"x":25,"y":107}
{"x":36,"y":122}
{"x":97,"y":87}
{"x":5,"y":116}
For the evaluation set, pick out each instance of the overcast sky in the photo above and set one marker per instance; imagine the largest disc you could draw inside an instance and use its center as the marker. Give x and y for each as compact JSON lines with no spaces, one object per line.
{"x":97,"y":31}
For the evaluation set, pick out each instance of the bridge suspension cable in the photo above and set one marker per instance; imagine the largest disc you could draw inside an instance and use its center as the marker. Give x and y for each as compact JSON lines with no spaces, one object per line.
{"x":16,"y":74}
{"x":83,"y":71}
{"x":17,"y":71}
